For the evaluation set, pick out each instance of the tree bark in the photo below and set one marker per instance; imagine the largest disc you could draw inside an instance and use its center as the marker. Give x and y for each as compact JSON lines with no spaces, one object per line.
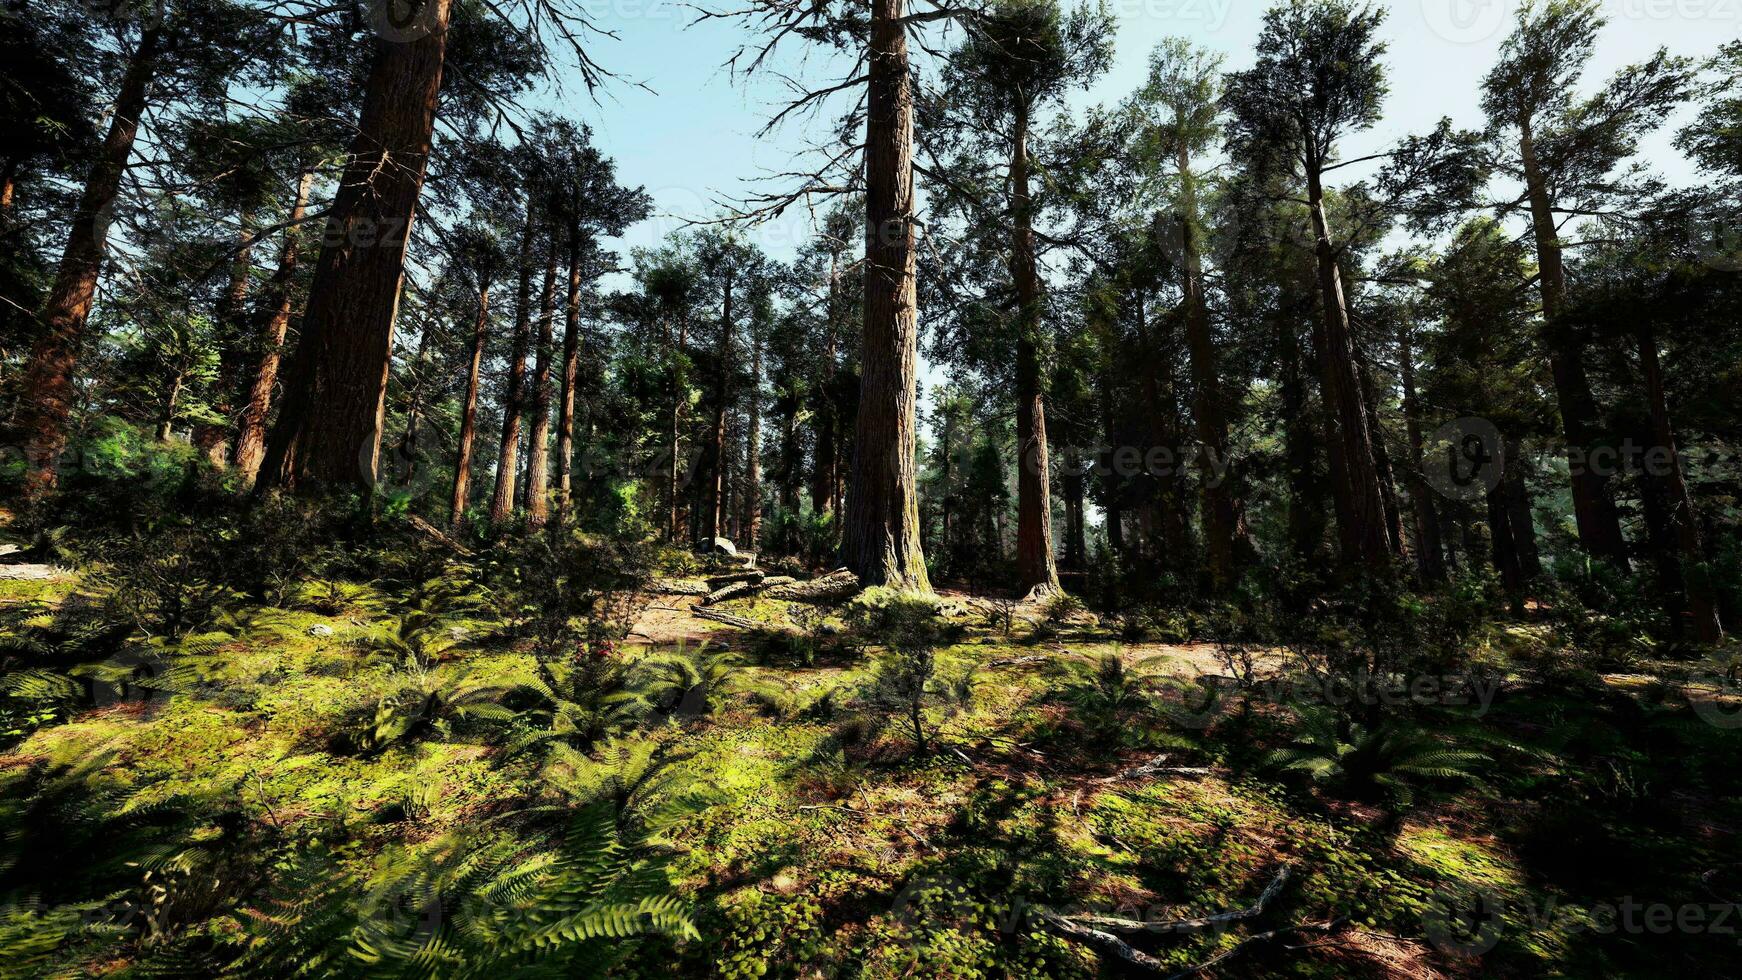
{"x":469,"y":410}
{"x":1036,"y":565}
{"x":565,"y":430}
{"x":514,"y":394}
{"x":753,"y":451}
{"x":1217,"y":501}
{"x":274,"y":326}
{"x":1361,"y":518}
{"x":1594,"y":511}
{"x":538,"y":439}
{"x":717,"y":511}
{"x":329,"y":428}
{"x":212,"y":438}
{"x":47,"y":388}
{"x":826,"y":461}
{"x":1429,"y":553}
{"x":1702,"y":608}
{"x":881,"y":539}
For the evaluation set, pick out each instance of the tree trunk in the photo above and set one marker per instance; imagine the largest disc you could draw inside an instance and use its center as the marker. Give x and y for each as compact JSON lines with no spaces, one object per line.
{"x":407,"y":451}
{"x":1429,"y":553}
{"x":1036,"y":567}
{"x":753,"y":452}
{"x":1594,"y":512}
{"x":1518,"y":508}
{"x":1702,"y":609}
{"x":1168,"y":507}
{"x":1306,"y":512}
{"x":469,"y":410}
{"x":538,"y":439}
{"x":717,"y":511}
{"x":274,"y":326}
{"x":565,"y":430}
{"x":1217,"y":501}
{"x":673,"y":525}
{"x":1381,"y":457}
{"x":171,"y":395}
{"x":1362,"y":524}
{"x":826,"y":462}
{"x":47,"y":388}
{"x":213,"y":437}
{"x":514,"y":394}
{"x":881,"y":540}
{"x":329,"y":428}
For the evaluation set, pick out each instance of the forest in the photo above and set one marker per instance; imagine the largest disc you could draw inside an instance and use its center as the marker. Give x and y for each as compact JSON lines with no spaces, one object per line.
{"x":1238,"y":523}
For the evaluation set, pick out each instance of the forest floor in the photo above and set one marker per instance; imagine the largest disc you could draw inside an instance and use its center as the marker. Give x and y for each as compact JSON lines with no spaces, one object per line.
{"x":829,"y":848}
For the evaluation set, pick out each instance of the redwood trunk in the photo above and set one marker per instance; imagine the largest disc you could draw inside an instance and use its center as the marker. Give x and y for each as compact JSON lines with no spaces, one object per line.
{"x":47,"y":388}
{"x":514,"y":394}
{"x":753,"y":452}
{"x":1702,"y":609}
{"x":1594,"y":511}
{"x":1429,"y":553}
{"x":213,"y":437}
{"x":1361,"y":516}
{"x":329,"y":429}
{"x":1220,"y":526}
{"x":538,"y":440}
{"x":565,"y":429}
{"x":1036,"y":566}
{"x":717,"y":512}
{"x":469,"y":410}
{"x":274,"y":325}
{"x":881,"y":530}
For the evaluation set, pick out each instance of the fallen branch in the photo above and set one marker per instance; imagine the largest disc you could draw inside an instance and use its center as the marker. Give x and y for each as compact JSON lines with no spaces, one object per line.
{"x":1262,"y":939}
{"x":1155,"y":767}
{"x":717,"y":582}
{"x":437,"y":535}
{"x":1024,"y":661}
{"x":1105,"y":942}
{"x":1186,"y":927}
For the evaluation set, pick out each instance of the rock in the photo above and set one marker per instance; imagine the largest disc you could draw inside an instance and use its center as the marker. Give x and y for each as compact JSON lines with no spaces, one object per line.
{"x":320,"y":629}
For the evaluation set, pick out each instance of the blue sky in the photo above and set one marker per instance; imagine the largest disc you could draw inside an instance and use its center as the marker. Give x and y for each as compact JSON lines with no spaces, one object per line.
{"x":692,"y":138}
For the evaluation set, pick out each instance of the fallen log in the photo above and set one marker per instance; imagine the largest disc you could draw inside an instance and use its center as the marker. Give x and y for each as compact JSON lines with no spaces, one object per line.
{"x":833,"y":587}
{"x":738,"y":590}
{"x":731,"y":620}
{"x":717,"y":582}
{"x":680,"y":586}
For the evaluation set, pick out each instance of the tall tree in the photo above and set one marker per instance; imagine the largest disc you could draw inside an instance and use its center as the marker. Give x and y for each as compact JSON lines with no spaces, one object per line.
{"x":1021,"y":57}
{"x":329,"y":427}
{"x":1318,"y":78}
{"x":1182,"y":121}
{"x":1565,"y":152}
